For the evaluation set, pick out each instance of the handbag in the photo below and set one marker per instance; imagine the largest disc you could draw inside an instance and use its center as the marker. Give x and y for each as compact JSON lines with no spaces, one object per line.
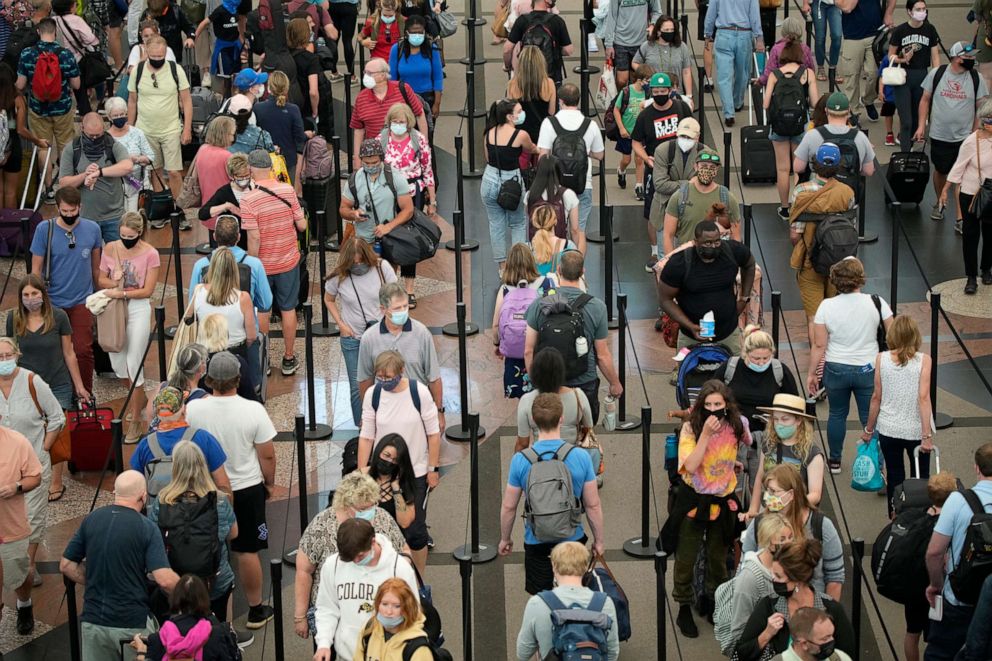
{"x":607,"y":90}
{"x":61,"y":449}
{"x":499,"y":20}
{"x":894,"y":75}
{"x":412,"y":242}
{"x":93,"y":67}
{"x":190,"y":196}
{"x":157,"y":205}
{"x":186,"y":330}
{"x":510,"y":190}
{"x":111,"y":326}
{"x":981,"y":201}
{"x":586,"y":439}
{"x":280,"y":171}
{"x":447,"y":25}
{"x":866,"y":474}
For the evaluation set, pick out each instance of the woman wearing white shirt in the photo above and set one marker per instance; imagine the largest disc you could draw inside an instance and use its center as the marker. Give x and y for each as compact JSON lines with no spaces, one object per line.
{"x":219,"y":294}
{"x":845,"y":331}
{"x":136,"y":143}
{"x":147,"y":29}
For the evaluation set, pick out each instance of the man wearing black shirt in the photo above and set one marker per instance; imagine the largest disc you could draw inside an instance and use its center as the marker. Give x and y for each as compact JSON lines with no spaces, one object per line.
{"x":702,"y":279}
{"x":554,"y":27}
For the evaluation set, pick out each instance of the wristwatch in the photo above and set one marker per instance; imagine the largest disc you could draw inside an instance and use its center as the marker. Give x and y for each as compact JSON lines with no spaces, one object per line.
{"x":433,"y":469}
{"x":440,"y":409}
{"x":746,"y":299}
{"x":20,"y":488}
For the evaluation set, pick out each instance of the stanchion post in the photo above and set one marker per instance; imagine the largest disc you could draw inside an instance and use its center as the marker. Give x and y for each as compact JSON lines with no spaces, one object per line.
{"x":701,"y":101}
{"x":326,"y":327}
{"x":471,"y":114}
{"x":776,"y":318}
{"x":160,"y":341}
{"x":941,"y":420}
{"x":465,"y":570}
{"x":623,"y":422}
{"x":894,"y":273}
{"x":611,"y":321}
{"x":349,"y":135}
{"x":299,"y":432}
{"x":858,"y":553}
{"x":315,"y":431}
{"x":72,"y":609}
{"x":461,"y":432}
{"x":453,"y":329}
{"x":748,"y":220}
{"x":466,"y":244}
{"x":478,"y":552}
{"x":174,"y":218}
{"x":334,"y":245}
{"x":600,"y":236}
{"x":661,"y":599}
{"x":642,"y":546}
{"x":117,"y":434}
{"x":275,"y":568}
{"x":727,"y":143}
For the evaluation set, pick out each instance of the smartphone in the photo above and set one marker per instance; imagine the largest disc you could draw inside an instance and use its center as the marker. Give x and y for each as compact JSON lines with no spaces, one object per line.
{"x":937,"y":610}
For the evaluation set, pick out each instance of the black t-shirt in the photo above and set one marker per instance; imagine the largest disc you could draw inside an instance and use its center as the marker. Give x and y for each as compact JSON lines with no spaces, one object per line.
{"x":225,"y":24}
{"x":709,"y":286}
{"x":559,"y":33}
{"x":307,"y":63}
{"x":753,"y":389}
{"x":654,"y":126}
{"x":905,"y":37}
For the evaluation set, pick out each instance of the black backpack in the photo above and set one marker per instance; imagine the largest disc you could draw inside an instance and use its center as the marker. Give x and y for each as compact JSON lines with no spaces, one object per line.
{"x":411,"y":646}
{"x":20,"y":39}
{"x":569,"y":148}
{"x":898,"y":557}
{"x":835,"y":238}
{"x":559,"y":326}
{"x":538,"y":34}
{"x":190,"y":532}
{"x":610,"y":124}
{"x":974,"y":564}
{"x":244,"y":274}
{"x":850,"y":157}
{"x":788,"y":110}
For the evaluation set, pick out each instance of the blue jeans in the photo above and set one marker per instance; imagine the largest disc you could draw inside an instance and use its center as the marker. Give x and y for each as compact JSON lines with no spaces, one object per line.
{"x":978,"y":644}
{"x":110,"y":229}
{"x":826,"y":16}
{"x":841,"y":381}
{"x":733,"y":67}
{"x":64,"y":393}
{"x":585,"y":208}
{"x":499,"y":218}
{"x":349,"y":350}
{"x":948,"y":636}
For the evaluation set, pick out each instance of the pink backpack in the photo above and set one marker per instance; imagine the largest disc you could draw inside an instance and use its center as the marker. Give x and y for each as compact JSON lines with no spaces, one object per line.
{"x":317,"y":160}
{"x":513,"y":318}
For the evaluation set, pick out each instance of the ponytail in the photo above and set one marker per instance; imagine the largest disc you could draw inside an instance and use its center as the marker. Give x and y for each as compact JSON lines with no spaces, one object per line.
{"x":543,"y":220}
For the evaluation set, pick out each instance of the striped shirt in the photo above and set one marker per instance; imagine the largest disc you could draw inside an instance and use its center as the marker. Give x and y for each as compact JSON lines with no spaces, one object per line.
{"x":274,"y":218}
{"x":370,"y":111}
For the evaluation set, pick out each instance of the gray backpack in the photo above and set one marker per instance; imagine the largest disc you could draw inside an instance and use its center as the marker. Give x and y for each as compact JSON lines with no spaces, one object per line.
{"x":550,"y":505}
{"x":158,"y":471}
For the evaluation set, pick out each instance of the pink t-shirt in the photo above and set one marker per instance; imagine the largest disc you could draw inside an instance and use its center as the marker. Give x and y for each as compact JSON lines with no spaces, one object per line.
{"x":17,"y":461}
{"x":211,"y":171}
{"x":398,"y":415}
{"x":402,"y":156}
{"x":134,"y":268}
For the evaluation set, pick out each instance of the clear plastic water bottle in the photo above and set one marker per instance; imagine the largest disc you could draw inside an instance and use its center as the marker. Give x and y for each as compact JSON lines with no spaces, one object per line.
{"x":581,"y":346}
{"x":610,"y":413}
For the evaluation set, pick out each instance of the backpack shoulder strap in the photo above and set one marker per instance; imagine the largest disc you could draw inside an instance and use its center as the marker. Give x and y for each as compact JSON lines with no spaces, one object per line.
{"x":974,"y":82}
{"x":175,"y":75}
{"x":724,"y":195}
{"x":137,"y":75}
{"x":415,"y":394}
{"x":376,"y":396}
{"x":154,"y":446}
{"x":671,"y":152}
{"x":598,"y":602}
{"x":778,"y":453}
{"x":556,"y":125}
{"x":974,"y":502}
{"x":683,"y":197}
{"x":728,"y":374}
{"x":353,"y":188}
{"x":568,"y":447}
{"x":778,"y":74}
{"x":77,"y":152}
{"x":530,"y":455}
{"x":878,"y":306}
{"x":551,"y":600}
{"x":816,"y":523}
{"x":274,"y":194}
{"x":938,"y":74}
{"x":188,"y":434}
{"x":411,"y":646}
{"x":584,"y":127}
{"x":778,"y":371}
{"x":580,"y":302}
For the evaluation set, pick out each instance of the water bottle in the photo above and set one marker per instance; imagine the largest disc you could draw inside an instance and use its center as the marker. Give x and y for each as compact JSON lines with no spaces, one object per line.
{"x":377,"y":247}
{"x":610,"y":415}
{"x":671,"y":452}
{"x":581,"y":346}
{"x":707,"y":326}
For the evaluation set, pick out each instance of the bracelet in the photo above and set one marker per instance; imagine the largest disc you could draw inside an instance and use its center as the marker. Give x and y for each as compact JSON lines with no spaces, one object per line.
{"x":869,"y":431}
{"x":299,"y":618}
{"x":928,"y":437}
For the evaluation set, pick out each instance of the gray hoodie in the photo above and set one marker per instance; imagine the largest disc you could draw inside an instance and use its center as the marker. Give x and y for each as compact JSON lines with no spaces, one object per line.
{"x":627,"y":21}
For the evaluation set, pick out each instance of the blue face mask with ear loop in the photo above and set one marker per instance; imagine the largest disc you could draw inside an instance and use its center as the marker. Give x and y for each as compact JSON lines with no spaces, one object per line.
{"x":759,"y":368}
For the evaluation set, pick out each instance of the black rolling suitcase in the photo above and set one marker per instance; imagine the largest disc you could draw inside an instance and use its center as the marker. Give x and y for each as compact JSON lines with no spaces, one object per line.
{"x":757,"y":154}
{"x":909,"y":176}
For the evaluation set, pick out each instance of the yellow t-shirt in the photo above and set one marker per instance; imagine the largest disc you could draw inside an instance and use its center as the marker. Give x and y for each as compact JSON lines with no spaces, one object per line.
{"x":158,"y":99}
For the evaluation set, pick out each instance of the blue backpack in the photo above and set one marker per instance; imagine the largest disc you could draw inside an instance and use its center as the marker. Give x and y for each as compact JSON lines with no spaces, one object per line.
{"x":577,"y":633}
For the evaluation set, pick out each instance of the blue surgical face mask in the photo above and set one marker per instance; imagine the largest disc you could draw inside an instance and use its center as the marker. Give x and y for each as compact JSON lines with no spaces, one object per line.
{"x":759,"y":368}
{"x":366,"y":515}
{"x":389,"y":622}
{"x":387,"y":19}
{"x":372,"y":169}
{"x":416,"y":39}
{"x":7,"y":367}
{"x":521,"y":118}
{"x":397,"y":128}
{"x":364,"y":562}
{"x":785,"y":432}
{"x":399,"y":318}
{"x":389,"y":385}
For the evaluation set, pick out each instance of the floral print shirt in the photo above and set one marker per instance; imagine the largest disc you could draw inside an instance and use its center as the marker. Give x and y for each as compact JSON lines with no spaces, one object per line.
{"x":401,"y":155}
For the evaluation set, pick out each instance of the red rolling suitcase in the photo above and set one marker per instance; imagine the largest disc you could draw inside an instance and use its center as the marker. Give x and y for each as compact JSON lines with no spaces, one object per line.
{"x":92,"y":438}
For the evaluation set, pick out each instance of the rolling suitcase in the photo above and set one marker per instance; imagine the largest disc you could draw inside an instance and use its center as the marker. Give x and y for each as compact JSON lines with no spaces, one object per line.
{"x":190,"y":67}
{"x":912,"y":493}
{"x":92,"y":438}
{"x":909,"y":176}
{"x":757,"y":154}
{"x":17,"y":226}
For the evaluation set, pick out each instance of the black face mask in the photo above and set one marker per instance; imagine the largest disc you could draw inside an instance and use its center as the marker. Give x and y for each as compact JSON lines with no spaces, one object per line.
{"x":708,"y":253}
{"x":156,"y":64}
{"x":720,"y":414}
{"x":826,"y":650}
{"x":130,"y":243}
{"x":662,"y":99}
{"x":967,"y":64}
{"x":69,"y":220}
{"x":781,"y":589}
{"x":385,"y":467}
{"x":668,"y":37}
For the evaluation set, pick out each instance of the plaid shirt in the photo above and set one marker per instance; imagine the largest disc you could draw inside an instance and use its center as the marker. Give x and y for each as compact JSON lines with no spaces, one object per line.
{"x":814,"y":184}
{"x":67,"y":62}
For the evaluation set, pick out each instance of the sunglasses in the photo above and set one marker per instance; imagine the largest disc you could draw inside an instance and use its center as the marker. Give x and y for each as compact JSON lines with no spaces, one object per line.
{"x":154,"y":81}
{"x":72,"y":239}
{"x":709,"y":158}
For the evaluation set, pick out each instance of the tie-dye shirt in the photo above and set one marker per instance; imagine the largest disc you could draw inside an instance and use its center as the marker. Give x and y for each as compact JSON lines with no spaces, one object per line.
{"x":715,"y":474}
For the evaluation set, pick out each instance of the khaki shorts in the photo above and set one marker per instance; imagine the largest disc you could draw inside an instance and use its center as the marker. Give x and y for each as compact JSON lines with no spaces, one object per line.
{"x":813,"y":288}
{"x":36,"y":503}
{"x":168,"y":151}
{"x":15,"y":562}
{"x":58,"y":130}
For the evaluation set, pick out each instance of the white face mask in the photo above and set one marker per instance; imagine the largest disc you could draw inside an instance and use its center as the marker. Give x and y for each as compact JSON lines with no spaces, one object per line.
{"x":368,"y":81}
{"x":919,"y":16}
{"x":686,"y":144}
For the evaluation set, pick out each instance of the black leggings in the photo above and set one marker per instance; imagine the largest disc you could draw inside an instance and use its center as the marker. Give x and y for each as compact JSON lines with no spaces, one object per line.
{"x":345,"y":16}
{"x":219,"y":605}
{"x":974,"y":231}
{"x":907,"y":98}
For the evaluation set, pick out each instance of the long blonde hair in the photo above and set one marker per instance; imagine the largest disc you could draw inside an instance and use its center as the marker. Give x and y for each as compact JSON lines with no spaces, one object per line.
{"x":804,"y":439}
{"x":544,"y":220}
{"x":532,"y":71}
{"x":190,"y":474}
{"x":214,"y":333}
{"x":222,"y":278}
{"x":903,"y":337}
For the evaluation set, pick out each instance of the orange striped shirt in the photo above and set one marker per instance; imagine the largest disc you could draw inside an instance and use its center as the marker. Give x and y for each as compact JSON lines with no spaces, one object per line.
{"x":275,"y":221}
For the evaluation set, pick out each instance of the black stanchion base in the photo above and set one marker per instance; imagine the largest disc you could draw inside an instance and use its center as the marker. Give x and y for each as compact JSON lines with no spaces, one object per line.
{"x":613,"y":324}
{"x":170,"y":331}
{"x":461,"y":434}
{"x":289,"y":558}
{"x":868,"y":238}
{"x":942,"y":420}
{"x":633,"y":547}
{"x":487,"y":553}
{"x":598,"y":237}
{"x":204,"y":249}
{"x":628,"y":423}
{"x":317,"y":432}
{"x":472,"y":174}
{"x":467,"y":244}
{"x":451,"y":330}
{"x":477,"y":63}
{"x":320,"y":330}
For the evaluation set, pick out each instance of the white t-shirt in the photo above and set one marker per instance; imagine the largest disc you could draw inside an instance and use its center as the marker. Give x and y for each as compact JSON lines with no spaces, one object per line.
{"x":135,"y":56}
{"x":568,"y":198}
{"x":571,"y":120}
{"x":238,"y":425}
{"x":852,"y":323}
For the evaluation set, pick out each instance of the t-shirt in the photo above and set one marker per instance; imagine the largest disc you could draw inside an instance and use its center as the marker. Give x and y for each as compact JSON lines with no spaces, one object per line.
{"x":134,"y":57}
{"x":167,"y":440}
{"x":158,"y":105}
{"x":134,"y":268}
{"x":573,"y":404}
{"x":812,"y":140}
{"x":414,"y":342}
{"x":790,"y":456}
{"x":579,"y":466}
{"x":654,"y":126}
{"x":375,"y":196}
{"x":106,"y":199}
{"x":17,"y":461}
{"x":920,"y":40}
{"x":753,"y":389}
{"x":863,"y":21}
{"x":852,"y":322}
{"x":953,"y":522}
{"x":224,"y":23}
{"x":665,"y":57}
{"x":307,"y":64}
{"x":388,"y":34}
{"x":370,"y":111}
{"x":71,"y":268}
{"x":559,"y":34}
{"x":570,"y":120}
{"x":953,"y":103}
{"x":357,"y":296}
{"x":709,"y":286}
{"x":28,"y":62}
{"x":120,"y":547}
{"x":696,"y":206}
{"x":634,"y":105}
{"x":594,"y":327}
{"x":275,"y":221}
{"x":715,"y":475}
{"x":41,"y":352}
{"x":238,"y":425}
{"x":398,"y":415}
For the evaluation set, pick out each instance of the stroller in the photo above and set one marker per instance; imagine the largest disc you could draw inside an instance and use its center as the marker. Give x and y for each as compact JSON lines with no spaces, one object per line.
{"x":697,"y":368}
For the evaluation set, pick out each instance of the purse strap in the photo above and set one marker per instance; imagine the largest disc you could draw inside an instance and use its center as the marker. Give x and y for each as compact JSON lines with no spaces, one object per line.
{"x":978,"y":158}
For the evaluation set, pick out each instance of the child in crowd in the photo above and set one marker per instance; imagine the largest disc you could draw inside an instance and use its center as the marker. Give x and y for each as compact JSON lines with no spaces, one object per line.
{"x":383,"y":29}
{"x":629,"y":103}
{"x":887,"y":97}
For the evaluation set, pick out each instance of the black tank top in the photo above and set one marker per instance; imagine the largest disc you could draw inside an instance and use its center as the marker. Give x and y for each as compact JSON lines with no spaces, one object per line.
{"x":537,"y":110}
{"x":503,"y":157}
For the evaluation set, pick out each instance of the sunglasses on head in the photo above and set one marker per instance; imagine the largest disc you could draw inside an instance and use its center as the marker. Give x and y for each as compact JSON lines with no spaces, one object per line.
{"x":709,"y":158}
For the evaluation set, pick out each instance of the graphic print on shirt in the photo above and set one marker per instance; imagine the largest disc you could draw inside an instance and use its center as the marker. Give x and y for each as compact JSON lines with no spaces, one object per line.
{"x":356,"y":591}
{"x":952,"y":89}
{"x":666,"y":127}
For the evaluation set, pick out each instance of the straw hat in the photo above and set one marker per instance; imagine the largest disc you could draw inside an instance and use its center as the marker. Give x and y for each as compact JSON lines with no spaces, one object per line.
{"x":792,"y":404}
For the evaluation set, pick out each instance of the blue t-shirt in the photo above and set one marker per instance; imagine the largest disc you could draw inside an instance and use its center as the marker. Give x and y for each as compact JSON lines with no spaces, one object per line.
{"x":72,"y":268}
{"x":863,"y":21}
{"x":953,"y":522}
{"x":168,"y":439}
{"x":887,"y":92}
{"x":422,"y":74}
{"x":120,"y":547}
{"x":225,"y":521}
{"x":579,"y":465}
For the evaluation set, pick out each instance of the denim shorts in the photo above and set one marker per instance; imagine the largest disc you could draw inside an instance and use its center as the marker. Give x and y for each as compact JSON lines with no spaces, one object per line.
{"x":775,"y":137}
{"x":285,"y":289}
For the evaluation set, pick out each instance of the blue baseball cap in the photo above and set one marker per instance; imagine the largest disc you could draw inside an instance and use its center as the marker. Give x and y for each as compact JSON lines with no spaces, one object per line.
{"x":249,"y":77}
{"x":828,"y":154}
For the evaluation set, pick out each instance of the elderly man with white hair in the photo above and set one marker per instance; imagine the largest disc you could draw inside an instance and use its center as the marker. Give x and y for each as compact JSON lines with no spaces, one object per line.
{"x":373,"y":102}
{"x":137,"y":145}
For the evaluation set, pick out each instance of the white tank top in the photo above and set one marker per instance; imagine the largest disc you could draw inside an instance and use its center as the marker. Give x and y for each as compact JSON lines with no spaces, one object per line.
{"x":231,"y":312}
{"x":899,"y":415}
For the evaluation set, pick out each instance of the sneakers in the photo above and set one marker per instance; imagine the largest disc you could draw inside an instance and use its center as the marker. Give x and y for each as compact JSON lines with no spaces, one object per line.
{"x":871,"y":112}
{"x":639,"y":192}
{"x":245,"y":638}
{"x":650,"y":264}
{"x":290,"y":365}
{"x":890,"y":140}
{"x":959,"y":226}
{"x":622,"y":179}
{"x":184,"y":224}
{"x":25,"y":620}
{"x":259,"y":615}
{"x":158,"y":224}
{"x":937,"y":213}
{"x":987,"y":277}
{"x":783,"y":213}
{"x":50,"y":196}
{"x":834,"y":466}
{"x":685,"y":622}
{"x":708,"y":85}
{"x":971,"y":287}
{"x":729,"y":122}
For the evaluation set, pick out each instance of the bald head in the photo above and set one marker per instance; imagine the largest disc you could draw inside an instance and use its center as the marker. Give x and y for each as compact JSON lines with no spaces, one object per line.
{"x":92,"y":125}
{"x":130,"y":489}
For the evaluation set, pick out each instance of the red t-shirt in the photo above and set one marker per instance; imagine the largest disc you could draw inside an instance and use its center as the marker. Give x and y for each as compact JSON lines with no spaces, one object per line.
{"x":370,"y":111}
{"x":389,"y":34}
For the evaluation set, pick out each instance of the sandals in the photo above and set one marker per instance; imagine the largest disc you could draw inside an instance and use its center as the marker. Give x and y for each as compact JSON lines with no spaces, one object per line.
{"x":412,"y":299}
{"x":54,"y":496}
{"x":821,"y":73}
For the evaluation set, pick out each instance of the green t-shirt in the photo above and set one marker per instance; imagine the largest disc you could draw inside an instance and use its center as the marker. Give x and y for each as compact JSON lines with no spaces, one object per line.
{"x":696,"y":207}
{"x":629,"y":116}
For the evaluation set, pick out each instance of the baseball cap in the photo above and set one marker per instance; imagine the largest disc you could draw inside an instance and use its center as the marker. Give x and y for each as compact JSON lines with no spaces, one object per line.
{"x":259,"y":158}
{"x":168,"y":401}
{"x":371,"y":147}
{"x":962,"y":49}
{"x":223,"y":366}
{"x":660,"y":80}
{"x":708,"y":156}
{"x":238,"y":104}
{"x":838,"y":102}
{"x":828,"y":154}
{"x":249,"y":77}
{"x":688,"y":128}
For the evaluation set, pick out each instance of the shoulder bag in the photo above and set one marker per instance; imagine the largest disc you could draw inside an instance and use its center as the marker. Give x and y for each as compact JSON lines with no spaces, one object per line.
{"x":981,"y":201}
{"x":93,"y":67}
{"x":412,"y":242}
{"x":61,"y":450}
{"x":190,"y":196}
{"x":157,"y":205}
{"x":111,"y":324}
{"x":510,"y":190}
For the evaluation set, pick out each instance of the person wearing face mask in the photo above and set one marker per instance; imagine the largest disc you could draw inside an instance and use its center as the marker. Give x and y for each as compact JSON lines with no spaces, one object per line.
{"x":374,"y":101}
{"x":664,"y":50}
{"x":392,"y":635}
{"x":770,"y":626}
{"x":736,"y":598}
{"x":217,"y":171}
{"x":383,"y":29}
{"x":686,"y":206}
{"x":129,"y":270}
{"x":115,"y":576}
{"x":408,"y":152}
{"x":351,"y":294}
{"x":914,"y":46}
{"x":416,"y":60}
{"x":137,"y":146}
{"x":392,"y":469}
{"x":623,"y":32}
{"x":355,"y":497}
{"x":812,"y":632}
{"x":349,"y":582}
{"x":756,"y":376}
{"x":705,"y":502}
{"x":284,"y":122}
{"x":950,"y":93}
